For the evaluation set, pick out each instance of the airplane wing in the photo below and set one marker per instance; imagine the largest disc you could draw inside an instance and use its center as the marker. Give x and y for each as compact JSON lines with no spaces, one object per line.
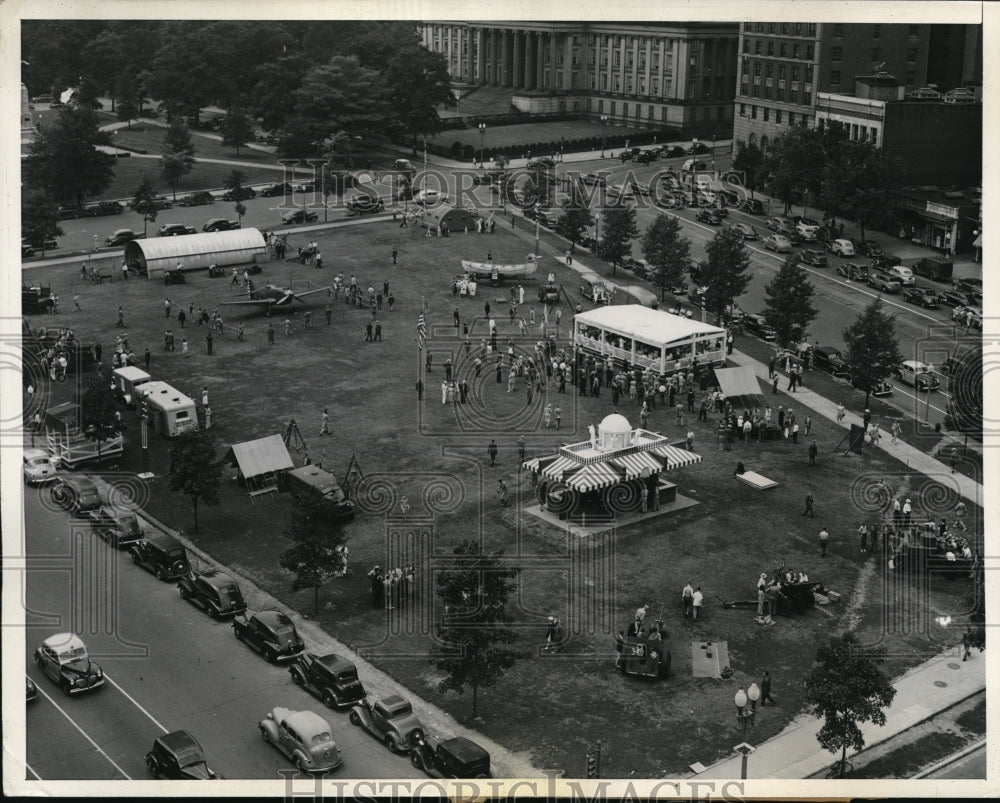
{"x":300,"y":296}
{"x":255,"y":301}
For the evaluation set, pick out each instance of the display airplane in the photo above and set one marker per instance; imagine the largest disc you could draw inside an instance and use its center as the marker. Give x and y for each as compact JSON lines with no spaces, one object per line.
{"x":270,"y":296}
{"x":495,"y":271}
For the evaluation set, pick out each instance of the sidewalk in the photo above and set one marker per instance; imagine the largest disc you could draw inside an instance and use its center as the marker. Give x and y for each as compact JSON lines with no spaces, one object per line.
{"x":794,"y":753}
{"x":912,"y":457}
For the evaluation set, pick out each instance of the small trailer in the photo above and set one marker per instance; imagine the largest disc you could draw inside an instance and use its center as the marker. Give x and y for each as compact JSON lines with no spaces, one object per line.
{"x":169,"y":411}
{"x":124,"y":382}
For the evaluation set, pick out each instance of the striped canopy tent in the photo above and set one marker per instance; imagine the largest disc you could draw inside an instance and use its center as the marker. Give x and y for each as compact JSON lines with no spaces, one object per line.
{"x":675,"y":457}
{"x":594,"y":476}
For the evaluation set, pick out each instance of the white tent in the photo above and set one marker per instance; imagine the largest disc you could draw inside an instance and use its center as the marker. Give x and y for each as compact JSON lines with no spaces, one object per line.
{"x":155,"y":255}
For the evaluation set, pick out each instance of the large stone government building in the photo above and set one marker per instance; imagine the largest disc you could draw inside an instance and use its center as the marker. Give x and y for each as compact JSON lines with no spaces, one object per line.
{"x":680,"y":75}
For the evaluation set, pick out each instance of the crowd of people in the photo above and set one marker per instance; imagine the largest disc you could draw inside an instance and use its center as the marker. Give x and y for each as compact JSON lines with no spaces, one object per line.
{"x":392,"y":588}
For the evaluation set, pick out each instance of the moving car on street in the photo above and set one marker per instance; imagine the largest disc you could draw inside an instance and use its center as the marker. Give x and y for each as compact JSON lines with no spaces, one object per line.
{"x":756,"y":324}
{"x":918,"y":374}
{"x":64,"y":659}
{"x":299,"y":216}
{"x":777,"y":243}
{"x":921,"y":296}
{"x":220,"y":224}
{"x":332,"y":679}
{"x":364,"y":204}
{"x":390,"y":720}
{"x":175,"y":230}
{"x":303,"y":737}
{"x":121,"y":236}
{"x":270,"y":633}
{"x":178,"y":756}
{"x":213,"y":591}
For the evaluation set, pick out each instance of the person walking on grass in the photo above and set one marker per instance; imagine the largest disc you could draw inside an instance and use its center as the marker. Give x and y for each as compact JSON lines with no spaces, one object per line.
{"x":809,"y":506}
{"x":824,"y":539}
{"x":765,"y":689}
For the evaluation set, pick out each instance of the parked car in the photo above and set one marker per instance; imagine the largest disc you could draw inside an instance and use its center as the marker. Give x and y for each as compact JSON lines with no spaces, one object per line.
{"x":903,"y":274}
{"x":814,"y":257}
{"x":365,"y":204}
{"x":332,"y":679}
{"x":918,"y":374}
{"x":693,"y":164}
{"x":220,"y":224}
{"x":708,"y":216}
{"x":76,"y":494}
{"x":161,"y":202}
{"x":841,"y":247}
{"x":747,"y":231}
{"x":161,"y":555}
{"x":831,"y":360}
{"x":922,"y":297}
{"x":780,"y":225}
{"x":777,"y":243}
{"x":671,"y":150}
{"x":644,"y":157}
{"x":303,"y":737}
{"x":973,"y":287}
{"x":752,"y":206}
{"x":213,"y":591}
{"x":178,"y":756}
{"x":884,"y":261}
{"x":457,"y":757}
{"x":854,"y":272}
{"x":274,"y":190}
{"x":390,"y":720}
{"x":808,"y":229}
{"x":299,"y":216}
{"x":598,"y":179}
{"x":243,"y":194}
{"x":104,"y":208}
{"x":64,"y":659}
{"x":270,"y":633}
{"x":70,"y":212}
{"x":956,"y":298}
{"x":197,"y":199}
{"x":118,"y":526}
{"x":37,"y":467}
{"x":937,"y":268}
{"x":883,"y":282}
{"x":121,"y":236}
{"x":757,"y":324}
{"x":175,"y":230}
{"x":620,"y":191}
{"x":868,"y":248}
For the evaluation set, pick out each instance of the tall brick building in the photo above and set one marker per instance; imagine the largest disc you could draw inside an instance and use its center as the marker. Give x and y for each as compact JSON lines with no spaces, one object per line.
{"x":665,"y":74}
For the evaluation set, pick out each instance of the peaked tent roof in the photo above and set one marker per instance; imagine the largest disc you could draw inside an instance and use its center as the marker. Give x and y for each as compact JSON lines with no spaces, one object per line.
{"x":260,"y":456}
{"x":651,"y":326}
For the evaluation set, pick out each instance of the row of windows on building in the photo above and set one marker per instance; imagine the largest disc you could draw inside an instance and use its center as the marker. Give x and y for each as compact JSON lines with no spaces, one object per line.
{"x":835,"y":78}
{"x":607,"y":41}
{"x":782,"y":28}
{"x":876,"y":30}
{"x":784,"y":50}
{"x":858,"y":133}
{"x":783,"y":70}
{"x":837,"y":54}
{"x":780,"y":92}
{"x":780,"y":115}
{"x":618,"y":111}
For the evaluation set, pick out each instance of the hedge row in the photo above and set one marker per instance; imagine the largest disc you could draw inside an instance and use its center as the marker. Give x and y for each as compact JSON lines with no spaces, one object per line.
{"x":467,"y":152}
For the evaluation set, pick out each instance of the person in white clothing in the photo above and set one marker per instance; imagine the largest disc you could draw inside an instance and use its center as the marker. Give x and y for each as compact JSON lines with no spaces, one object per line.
{"x":696,"y":602}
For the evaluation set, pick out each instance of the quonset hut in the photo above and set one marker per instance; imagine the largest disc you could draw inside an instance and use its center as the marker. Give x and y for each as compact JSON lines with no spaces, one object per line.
{"x":193,"y":251}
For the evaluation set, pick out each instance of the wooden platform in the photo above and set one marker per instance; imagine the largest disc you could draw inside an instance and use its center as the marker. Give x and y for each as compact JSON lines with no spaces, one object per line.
{"x":755,"y":480}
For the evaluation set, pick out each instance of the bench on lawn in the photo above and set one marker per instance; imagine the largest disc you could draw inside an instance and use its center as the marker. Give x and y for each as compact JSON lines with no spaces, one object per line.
{"x":755,"y":480}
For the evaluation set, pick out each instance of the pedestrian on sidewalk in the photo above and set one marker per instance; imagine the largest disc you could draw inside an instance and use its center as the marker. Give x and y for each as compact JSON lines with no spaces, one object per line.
{"x":813,"y":451}
{"x":824,"y":539}
{"x":765,"y":689}
{"x":774,"y":385}
{"x":841,"y":412}
{"x":770,"y":368}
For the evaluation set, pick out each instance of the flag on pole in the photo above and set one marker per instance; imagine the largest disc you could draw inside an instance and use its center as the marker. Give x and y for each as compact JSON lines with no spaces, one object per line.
{"x":421,"y":331}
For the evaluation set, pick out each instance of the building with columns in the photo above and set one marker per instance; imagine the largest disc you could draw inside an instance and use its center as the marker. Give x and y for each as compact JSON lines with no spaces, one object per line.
{"x":680,"y":75}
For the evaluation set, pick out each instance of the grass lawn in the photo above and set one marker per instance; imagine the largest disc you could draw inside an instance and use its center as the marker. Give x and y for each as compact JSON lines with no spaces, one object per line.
{"x":554,"y":705}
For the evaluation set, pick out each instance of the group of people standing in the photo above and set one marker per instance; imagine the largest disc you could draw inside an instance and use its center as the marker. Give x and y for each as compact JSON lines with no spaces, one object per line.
{"x":392,"y":588}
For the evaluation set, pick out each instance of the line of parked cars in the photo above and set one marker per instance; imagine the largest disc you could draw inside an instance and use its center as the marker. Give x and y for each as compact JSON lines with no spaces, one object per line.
{"x":303,"y":736}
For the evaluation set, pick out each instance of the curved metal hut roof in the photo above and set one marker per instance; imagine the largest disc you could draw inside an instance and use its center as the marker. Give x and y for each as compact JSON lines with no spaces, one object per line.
{"x":194,"y":251}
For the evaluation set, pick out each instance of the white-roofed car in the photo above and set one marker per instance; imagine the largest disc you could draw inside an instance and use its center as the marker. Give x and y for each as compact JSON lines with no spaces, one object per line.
{"x":63,"y":657}
{"x":919,"y":374}
{"x":38,"y":467}
{"x":841,"y":247}
{"x":304,"y":737}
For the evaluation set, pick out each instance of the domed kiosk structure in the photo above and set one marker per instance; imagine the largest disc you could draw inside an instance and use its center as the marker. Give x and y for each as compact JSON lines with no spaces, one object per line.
{"x":616,"y":472}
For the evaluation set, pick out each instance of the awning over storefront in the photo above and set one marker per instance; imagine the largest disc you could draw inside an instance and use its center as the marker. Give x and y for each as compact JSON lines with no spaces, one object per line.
{"x":741,"y":381}
{"x":673,"y":457}
{"x":635,"y":464}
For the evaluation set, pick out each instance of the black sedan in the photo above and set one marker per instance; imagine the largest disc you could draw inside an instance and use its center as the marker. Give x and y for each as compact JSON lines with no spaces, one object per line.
{"x":813,"y":257}
{"x":922,"y":297}
{"x":757,"y":325}
{"x":197,"y":199}
{"x":299,"y":216}
{"x":956,"y":298}
{"x":275,"y":190}
{"x":831,"y":360}
{"x":270,"y":633}
{"x":245,"y":193}
{"x":868,"y":248}
{"x":708,"y":216}
{"x":105,"y":208}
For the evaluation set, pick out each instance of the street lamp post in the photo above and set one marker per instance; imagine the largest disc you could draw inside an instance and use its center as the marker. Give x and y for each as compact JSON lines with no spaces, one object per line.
{"x":714,"y":134}
{"x":604,"y":132}
{"x":744,"y":750}
{"x":740,"y":699}
{"x":482,"y":142}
